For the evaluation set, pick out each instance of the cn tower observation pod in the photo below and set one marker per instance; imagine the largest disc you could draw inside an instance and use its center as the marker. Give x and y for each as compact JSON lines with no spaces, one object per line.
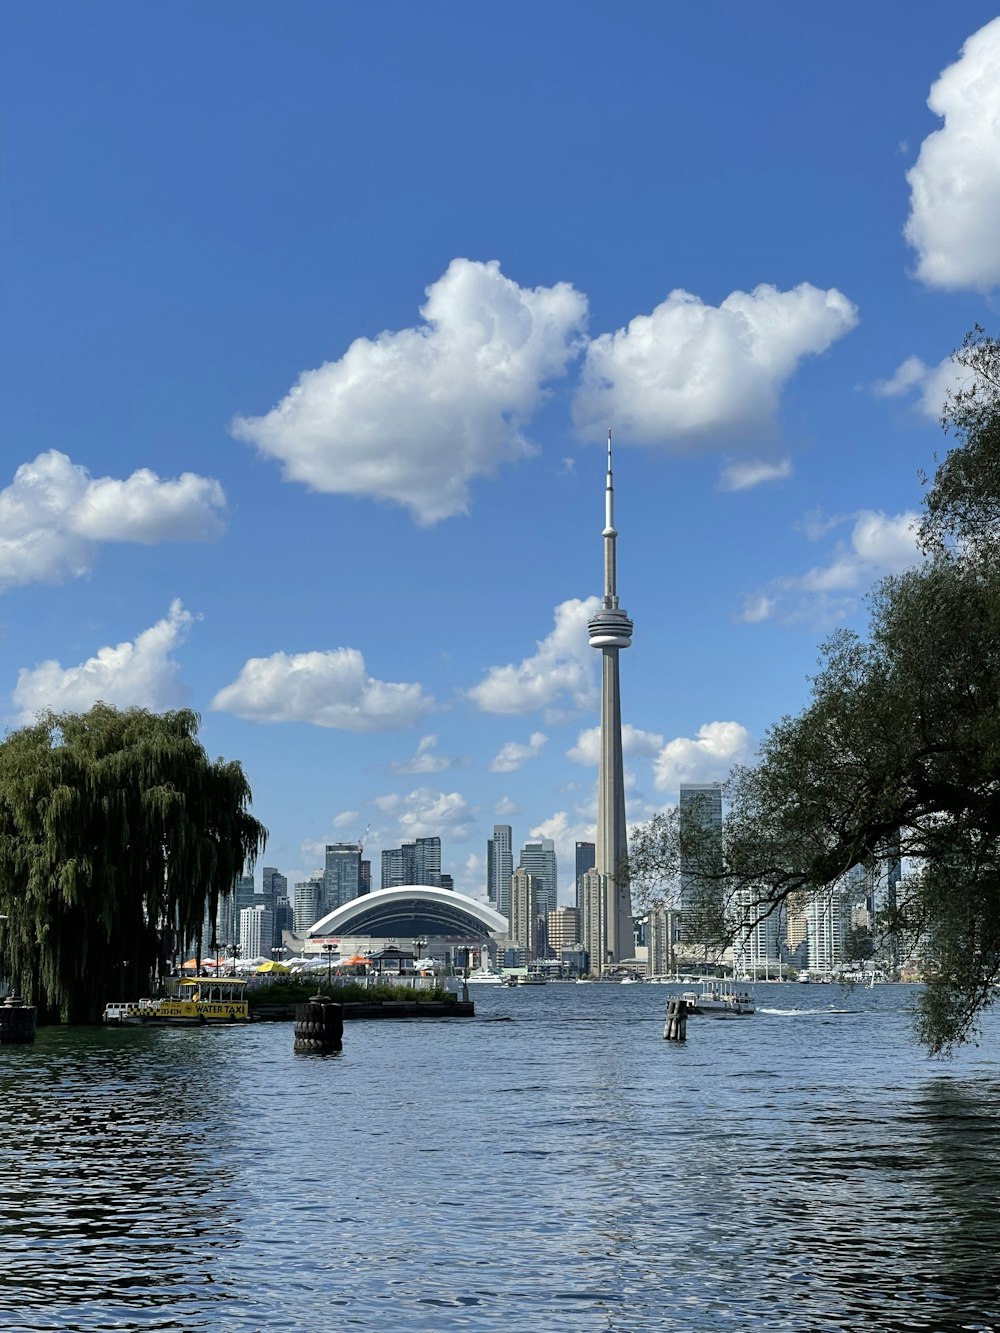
{"x":412,"y":910}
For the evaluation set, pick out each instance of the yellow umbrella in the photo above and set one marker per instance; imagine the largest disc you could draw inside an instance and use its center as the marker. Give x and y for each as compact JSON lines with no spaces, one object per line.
{"x":272,"y":966}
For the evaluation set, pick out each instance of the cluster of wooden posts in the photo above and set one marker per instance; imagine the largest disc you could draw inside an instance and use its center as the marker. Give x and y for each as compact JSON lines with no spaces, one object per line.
{"x":675,"y":1028}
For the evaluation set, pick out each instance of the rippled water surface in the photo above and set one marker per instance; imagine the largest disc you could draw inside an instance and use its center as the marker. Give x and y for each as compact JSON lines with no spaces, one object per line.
{"x":551,"y":1164}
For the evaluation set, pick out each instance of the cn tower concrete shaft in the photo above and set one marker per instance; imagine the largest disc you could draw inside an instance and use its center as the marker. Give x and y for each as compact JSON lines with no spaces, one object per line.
{"x":610,"y":630}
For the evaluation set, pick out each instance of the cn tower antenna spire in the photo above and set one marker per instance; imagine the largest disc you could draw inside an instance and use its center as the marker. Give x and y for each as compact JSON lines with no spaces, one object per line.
{"x":610,"y":535}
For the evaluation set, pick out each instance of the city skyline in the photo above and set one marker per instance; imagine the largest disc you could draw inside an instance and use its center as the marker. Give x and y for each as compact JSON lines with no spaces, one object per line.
{"x":312,"y":355}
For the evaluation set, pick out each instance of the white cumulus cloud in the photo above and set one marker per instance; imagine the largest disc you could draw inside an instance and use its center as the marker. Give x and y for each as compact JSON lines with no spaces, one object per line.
{"x":692,"y":376}
{"x":329,"y":689}
{"x":425,"y":760}
{"x":741,"y":476}
{"x":139,"y":674}
{"x":635,"y":744}
{"x":414,"y":416}
{"x":54,"y":515}
{"x":878,"y":544}
{"x":560,"y":670}
{"x":513,"y":754}
{"x":955,"y":183}
{"x":707,"y":757}
{"x":425,"y":813}
{"x":931,"y":383}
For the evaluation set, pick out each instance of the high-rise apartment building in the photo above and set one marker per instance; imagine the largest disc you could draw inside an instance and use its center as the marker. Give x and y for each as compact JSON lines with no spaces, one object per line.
{"x":593,"y":917}
{"x":308,"y":905}
{"x":539,"y":859}
{"x":394,"y":868}
{"x":243,"y":897}
{"x":499,"y":868}
{"x":417,"y":862}
{"x":427,"y":861}
{"x":758,"y":934}
{"x":366,"y":877}
{"x":562,"y":929}
{"x":524,"y":912}
{"x":256,"y":932}
{"x":341,"y":875}
{"x":828,"y":916}
{"x":659,"y":944}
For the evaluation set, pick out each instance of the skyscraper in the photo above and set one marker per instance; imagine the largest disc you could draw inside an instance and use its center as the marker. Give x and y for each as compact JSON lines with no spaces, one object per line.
{"x":592,"y":916}
{"x":256,"y":932}
{"x":611,"y":630}
{"x":524,"y":912}
{"x":701,"y":852}
{"x":585,"y":852}
{"x":427,"y":861}
{"x":243,"y":897}
{"x":417,"y":862}
{"x":342,"y":874}
{"x":274,"y":885}
{"x":308,"y":906}
{"x":539,"y":859}
{"x":562,"y":929}
{"x":499,"y":868}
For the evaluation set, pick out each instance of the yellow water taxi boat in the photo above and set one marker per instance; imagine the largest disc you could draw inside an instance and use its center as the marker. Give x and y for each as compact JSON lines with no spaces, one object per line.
{"x":189,"y":1002}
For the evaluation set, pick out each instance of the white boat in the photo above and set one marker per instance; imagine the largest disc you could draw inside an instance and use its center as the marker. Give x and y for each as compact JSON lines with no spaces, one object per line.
{"x":482,"y":976}
{"x":720,"y":1001}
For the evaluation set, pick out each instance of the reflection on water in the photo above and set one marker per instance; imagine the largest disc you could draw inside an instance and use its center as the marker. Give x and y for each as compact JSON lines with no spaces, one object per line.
{"x":805,"y":1170}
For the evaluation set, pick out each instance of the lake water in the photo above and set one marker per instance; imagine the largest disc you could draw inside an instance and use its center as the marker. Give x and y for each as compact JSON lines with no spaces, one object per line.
{"x":566,"y":1169}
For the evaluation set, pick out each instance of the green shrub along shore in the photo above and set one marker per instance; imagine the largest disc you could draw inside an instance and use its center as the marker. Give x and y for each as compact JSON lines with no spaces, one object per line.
{"x":300,"y":992}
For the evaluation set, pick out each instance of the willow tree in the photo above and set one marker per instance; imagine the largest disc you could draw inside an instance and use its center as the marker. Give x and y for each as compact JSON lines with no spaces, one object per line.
{"x":898,"y":750}
{"x":116,"y":829}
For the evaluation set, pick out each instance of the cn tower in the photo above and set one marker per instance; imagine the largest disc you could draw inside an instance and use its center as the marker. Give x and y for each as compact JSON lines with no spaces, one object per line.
{"x":611,"y":630}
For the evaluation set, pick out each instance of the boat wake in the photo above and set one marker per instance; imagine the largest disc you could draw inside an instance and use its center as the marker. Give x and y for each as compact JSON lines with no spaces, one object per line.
{"x":803,"y":1013}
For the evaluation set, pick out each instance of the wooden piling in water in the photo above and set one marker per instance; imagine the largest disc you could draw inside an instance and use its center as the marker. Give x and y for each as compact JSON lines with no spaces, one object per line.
{"x":675,"y":1028}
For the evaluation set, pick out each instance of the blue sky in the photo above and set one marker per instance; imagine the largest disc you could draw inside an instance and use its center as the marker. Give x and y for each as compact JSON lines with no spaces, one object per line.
{"x":315,"y":319}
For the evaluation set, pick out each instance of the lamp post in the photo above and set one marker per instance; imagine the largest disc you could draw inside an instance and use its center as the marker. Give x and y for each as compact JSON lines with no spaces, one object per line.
{"x":234,"y":951}
{"x":329,"y":950}
{"x":418,"y":947}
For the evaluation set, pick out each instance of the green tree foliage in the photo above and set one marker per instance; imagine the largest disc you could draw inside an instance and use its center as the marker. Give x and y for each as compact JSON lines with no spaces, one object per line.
{"x":901,"y":741}
{"x":116,"y":833}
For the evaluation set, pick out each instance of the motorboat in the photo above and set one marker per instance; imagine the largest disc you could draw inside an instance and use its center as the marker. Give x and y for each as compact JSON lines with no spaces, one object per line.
{"x":720,"y":1001}
{"x":190,"y":1002}
{"x":483,"y":976}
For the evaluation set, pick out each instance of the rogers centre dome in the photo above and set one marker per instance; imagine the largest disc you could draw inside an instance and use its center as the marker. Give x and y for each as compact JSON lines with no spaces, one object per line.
{"x":412,"y":910}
